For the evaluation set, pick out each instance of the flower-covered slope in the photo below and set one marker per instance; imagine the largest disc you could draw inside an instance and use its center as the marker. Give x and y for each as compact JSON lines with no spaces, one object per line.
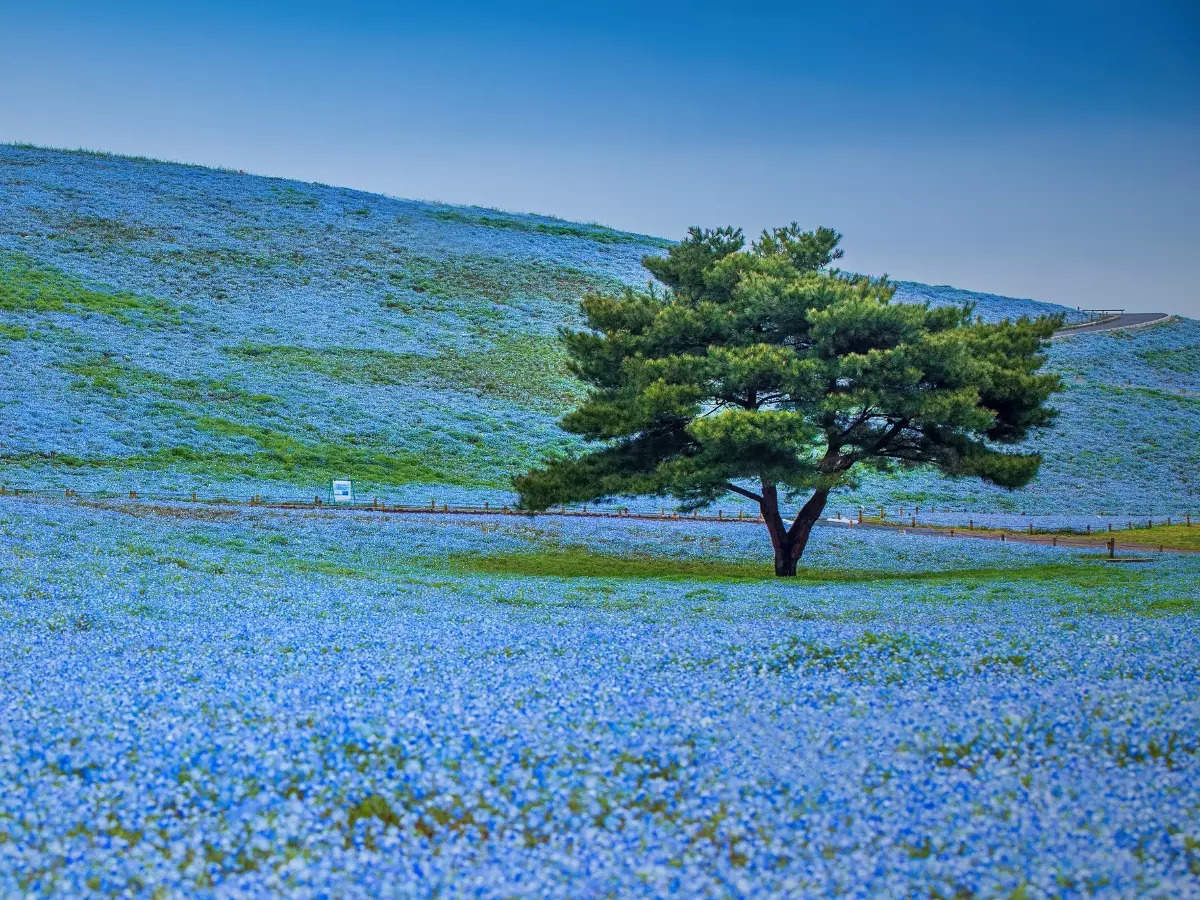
{"x":172,"y":328}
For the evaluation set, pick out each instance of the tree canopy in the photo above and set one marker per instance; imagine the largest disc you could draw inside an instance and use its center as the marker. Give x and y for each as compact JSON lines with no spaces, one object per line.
{"x":759,"y":370}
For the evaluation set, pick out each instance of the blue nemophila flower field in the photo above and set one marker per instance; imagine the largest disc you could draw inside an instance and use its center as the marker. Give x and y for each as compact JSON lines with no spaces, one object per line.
{"x":201,"y":699}
{"x":170,"y":328}
{"x":198,"y":700}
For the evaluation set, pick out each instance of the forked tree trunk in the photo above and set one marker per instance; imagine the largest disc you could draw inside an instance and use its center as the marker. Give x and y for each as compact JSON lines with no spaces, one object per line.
{"x":789,"y":542}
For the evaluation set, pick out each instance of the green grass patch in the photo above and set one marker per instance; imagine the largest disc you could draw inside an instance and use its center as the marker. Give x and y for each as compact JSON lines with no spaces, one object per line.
{"x":112,"y":376}
{"x":326,"y":567}
{"x":217,"y":258}
{"x":250,"y":232}
{"x":100,"y":230}
{"x":496,"y":279}
{"x":1171,"y":537}
{"x":582,"y":562}
{"x":1171,"y":606}
{"x":206,"y":440}
{"x":286,"y":195}
{"x":1151,"y":398}
{"x":277,"y":456}
{"x":349,"y":364}
{"x":26,"y":286}
{"x":524,"y":369}
{"x":13,"y":332}
{"x":873,"y":658}
{"x":100,"y":374}
{"x":281,"y":459}
{"x":558,"y":228}
{"x":1185,"y":360}
{"x":285,"y":457}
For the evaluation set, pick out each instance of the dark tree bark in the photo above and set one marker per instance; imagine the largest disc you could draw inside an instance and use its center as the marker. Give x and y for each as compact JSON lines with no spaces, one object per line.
{"x":789,"y":542}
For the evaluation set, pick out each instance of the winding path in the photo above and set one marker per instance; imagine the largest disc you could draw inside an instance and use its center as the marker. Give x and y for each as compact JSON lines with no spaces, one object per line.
{"x":224,"y":510}
{"x":1113,"y":323}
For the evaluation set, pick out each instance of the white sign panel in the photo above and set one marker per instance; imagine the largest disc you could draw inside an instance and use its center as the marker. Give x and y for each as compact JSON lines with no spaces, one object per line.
{"x":343,"y":492}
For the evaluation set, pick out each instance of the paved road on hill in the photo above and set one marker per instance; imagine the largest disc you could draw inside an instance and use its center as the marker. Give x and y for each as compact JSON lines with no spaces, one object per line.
{"x":1125,"y":320}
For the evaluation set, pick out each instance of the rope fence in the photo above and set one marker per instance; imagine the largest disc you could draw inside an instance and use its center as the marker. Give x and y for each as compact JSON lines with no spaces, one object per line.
{"x":904,"y":519}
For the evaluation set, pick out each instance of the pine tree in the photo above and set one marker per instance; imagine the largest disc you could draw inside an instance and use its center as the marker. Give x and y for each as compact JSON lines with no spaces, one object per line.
{"x":759,"y":371}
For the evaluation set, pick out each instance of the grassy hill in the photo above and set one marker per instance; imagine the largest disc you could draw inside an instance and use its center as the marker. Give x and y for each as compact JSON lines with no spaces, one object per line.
{"x":173,"y":328}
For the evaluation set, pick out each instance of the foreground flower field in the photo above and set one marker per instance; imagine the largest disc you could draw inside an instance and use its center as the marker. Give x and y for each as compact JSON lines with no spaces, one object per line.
{"x":195,"y":700}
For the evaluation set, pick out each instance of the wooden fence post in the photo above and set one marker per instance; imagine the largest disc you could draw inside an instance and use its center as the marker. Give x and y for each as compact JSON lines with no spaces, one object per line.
{"x":860,"y":515}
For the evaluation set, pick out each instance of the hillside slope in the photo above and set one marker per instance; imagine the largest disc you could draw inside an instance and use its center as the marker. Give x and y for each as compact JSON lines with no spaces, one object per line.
{"x":174,"y":328}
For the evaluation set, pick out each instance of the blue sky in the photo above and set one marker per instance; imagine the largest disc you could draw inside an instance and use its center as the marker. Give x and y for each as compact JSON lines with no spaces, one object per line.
{"x":1044,"y":150}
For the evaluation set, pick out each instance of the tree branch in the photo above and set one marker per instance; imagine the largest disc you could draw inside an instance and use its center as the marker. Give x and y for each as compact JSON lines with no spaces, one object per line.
{"x":730,"y":486}
{"x":879,"y":447}
{"x":861,"y":419}
{"x":896,"y":428}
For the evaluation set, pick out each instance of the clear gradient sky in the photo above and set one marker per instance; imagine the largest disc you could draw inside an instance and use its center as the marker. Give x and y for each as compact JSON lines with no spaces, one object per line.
{"x":1043,"y":150}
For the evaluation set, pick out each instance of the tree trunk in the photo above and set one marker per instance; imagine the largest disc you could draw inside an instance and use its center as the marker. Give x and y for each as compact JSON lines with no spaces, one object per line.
{"x":785,"y":565}
{"x":789,"y":543}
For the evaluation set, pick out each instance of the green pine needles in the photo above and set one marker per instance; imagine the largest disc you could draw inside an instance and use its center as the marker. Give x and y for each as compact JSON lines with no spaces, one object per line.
{"x":762,"y":370}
